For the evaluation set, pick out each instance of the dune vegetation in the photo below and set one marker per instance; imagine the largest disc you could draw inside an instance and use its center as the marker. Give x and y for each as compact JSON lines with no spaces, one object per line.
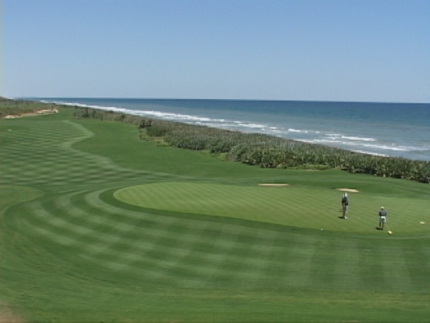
{"x":107,"y":221}
{"x":266,"y":151}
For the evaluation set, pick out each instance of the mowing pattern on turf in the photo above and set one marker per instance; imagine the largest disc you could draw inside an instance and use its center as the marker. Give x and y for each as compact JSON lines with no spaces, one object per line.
{"x":42,"y":156}
{"x":77,"y":224}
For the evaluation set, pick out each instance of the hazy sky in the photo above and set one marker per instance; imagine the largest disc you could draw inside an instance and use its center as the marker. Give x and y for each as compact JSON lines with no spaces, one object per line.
{"x":346,"y":50}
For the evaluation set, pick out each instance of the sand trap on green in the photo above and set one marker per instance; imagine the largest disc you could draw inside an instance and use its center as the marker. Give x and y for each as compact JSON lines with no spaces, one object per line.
{"x":292,"y":206}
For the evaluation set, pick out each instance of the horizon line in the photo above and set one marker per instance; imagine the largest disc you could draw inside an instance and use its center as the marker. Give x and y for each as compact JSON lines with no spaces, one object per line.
{"x":207,"y":99}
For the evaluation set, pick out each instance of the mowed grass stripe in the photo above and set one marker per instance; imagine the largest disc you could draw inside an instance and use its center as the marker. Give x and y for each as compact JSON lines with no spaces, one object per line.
{"x":371,"y":269}
{"x":417,"y":260}
{"x":103,"y":247}
{"x":81,"y":235}
{"x":396,"y":272}
{"x":105,"y":244}
{"x":179,"y":270}
{"x":57,"y":161}
{"x":323,"y":262}
{"x":79,"y":223}
{"x":93,"y":200}
{"x":299,"y":261}
{"x":135,"y":224}
{"x":29,"y":134}
{"x":236,"y":259}
{"x":223,"y":258}
{"x":194,"y":268}
{"x":346,"y":265}
{"x":263,"y":263}
{"x":346,"y":271}
{"x":231,"y":263}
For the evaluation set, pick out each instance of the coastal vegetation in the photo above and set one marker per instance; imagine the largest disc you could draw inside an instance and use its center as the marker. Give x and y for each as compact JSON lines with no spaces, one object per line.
{"x":263,"y":150}
{"x":98,"y":225}
{"x":11,"y":107}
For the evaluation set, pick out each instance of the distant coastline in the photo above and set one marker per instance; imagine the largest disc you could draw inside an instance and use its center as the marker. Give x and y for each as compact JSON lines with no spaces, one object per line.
{"x":263,"y":150}
{"x":380,"y":129}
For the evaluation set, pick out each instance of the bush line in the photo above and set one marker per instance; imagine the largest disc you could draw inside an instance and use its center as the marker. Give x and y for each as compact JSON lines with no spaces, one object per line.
{"x":264,"y":150}
{"x":10,"y":107}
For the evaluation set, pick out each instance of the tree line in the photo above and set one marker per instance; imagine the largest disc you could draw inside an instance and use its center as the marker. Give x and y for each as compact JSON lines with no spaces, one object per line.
{"x":264,"y":150}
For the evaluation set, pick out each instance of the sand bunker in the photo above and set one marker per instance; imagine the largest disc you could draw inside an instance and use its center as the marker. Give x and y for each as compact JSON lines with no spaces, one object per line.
{"x":31,"y":114}
{"x":6,"y":315}
{"x":348,"y":190}
{"x":274,"y":185}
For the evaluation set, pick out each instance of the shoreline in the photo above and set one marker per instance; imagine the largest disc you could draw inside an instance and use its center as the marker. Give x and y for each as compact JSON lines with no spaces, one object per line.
{"x":357,"y":143}
{"x":150,"y":114}
{"x":263,"y":150}
{"x":352,"y":143}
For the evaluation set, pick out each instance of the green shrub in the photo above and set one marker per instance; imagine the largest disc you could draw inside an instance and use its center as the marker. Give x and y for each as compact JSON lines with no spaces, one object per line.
{"x":266,"y":151}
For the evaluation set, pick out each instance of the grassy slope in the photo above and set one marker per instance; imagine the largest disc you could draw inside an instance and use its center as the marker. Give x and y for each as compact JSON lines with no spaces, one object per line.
{"x":72,"y":252}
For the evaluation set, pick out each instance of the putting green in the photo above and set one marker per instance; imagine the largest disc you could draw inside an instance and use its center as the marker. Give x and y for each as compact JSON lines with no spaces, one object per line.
{"x":291,"y":206}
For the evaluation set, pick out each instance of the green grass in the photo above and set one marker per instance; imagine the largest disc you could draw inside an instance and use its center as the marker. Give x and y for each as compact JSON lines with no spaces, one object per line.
{"x":293,"y":206}
{"x":98,"y":226}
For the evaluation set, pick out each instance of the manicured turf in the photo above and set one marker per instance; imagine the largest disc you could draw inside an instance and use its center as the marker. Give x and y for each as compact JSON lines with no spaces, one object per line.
{"x":294,"y":206}
{"x":99,"y":226}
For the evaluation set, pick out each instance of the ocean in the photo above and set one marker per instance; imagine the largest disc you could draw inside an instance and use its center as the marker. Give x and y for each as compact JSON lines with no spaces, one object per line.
{"x":385,"y":129}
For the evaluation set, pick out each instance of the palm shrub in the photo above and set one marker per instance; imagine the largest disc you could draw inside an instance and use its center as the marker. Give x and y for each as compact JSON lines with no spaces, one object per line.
{"x":267,"y":151}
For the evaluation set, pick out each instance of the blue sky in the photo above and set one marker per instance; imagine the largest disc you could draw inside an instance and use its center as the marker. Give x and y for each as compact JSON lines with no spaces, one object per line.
{"x":349,"y":50}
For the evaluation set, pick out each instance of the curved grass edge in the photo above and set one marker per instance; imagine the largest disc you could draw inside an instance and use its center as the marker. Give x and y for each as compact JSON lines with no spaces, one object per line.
{"x":109,"y":198}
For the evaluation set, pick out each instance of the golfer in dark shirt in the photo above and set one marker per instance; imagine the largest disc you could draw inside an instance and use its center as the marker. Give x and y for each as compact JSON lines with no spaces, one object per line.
{"x":382,"y":218}
{"x":345,"y":204}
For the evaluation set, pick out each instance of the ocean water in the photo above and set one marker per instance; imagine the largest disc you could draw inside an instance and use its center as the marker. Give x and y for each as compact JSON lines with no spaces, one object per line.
{"x":386,"y":129}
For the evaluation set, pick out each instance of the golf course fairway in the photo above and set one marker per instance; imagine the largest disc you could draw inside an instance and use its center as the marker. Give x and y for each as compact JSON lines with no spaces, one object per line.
{"x":97,"y":225}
